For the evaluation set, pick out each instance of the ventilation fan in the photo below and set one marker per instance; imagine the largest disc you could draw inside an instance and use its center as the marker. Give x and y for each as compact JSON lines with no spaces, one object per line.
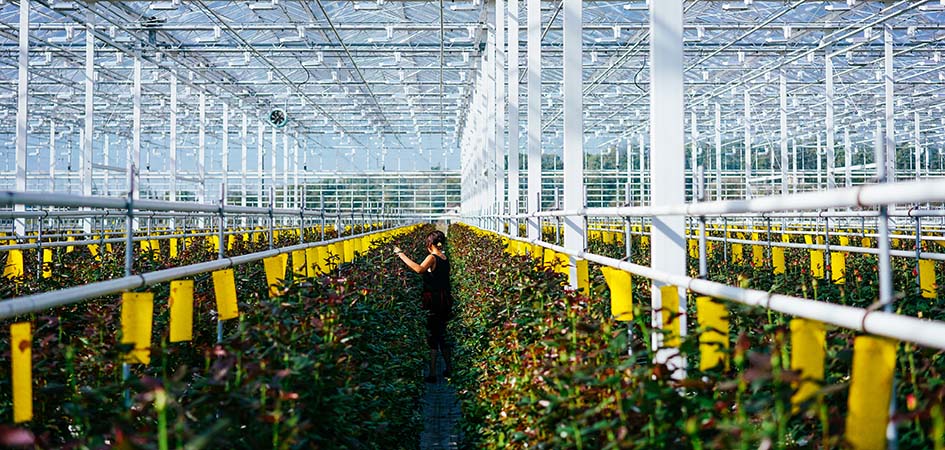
{"x":278,"y":118}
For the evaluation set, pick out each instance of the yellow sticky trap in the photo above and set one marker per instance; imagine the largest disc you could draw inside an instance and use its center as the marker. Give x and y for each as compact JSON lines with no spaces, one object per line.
{"x":70,"y":248}
{"x":737,"y":253}
{"x":583,"y":279}
{"x":145,"y":246}
{"x":230,"y":241}
{"x":93,"y":249}
{"x":21,"y":351}
{"x":322,"y":259}
{"x":808,"y":343}
{"x":645,"y":240}
{"x":757,"y":252}
{"x":298,"y":263}
{"x":693,"y":248}
{"x":275,"y":272}
{"x":838,"y":267}
{"x":563,"y":264}
{"x":608,"y":237}
{"x":844,"y":241}
{"x":224,"y":289}
{"x":809,"y":239}
{"x":173,"y":248}
{"x":182,"y":310}
{"x":927,"y":278}
{"x":549,"y":257}
{"x":14,"y":266}
{"x":339,"y":251}
{"x":786,"y":238}
{"x":866,"y":242}
{"x":156,"y":248}
{"x":874,"y":364}
{"x":47,"y":263}
{"x":669,"y":299}
{"x":621,"y":293}
{"x":215,"y":244}
{"x":777,"y":258}
{"x":713,"y":337}
{"x":817,"y":263}
{"x":137,"y":312}
{"x":311,"y":262}
{"x":108,"y":247}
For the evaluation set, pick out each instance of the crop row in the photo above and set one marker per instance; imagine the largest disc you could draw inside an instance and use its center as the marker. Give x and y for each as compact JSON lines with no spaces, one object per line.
{"x":547,"y":367}
{"x":311,"y":361}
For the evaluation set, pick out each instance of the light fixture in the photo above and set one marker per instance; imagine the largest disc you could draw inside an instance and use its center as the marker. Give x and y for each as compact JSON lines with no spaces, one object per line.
{"x":263,"y":5}
{"x":368,"y":6}
{"x":165,"y":6}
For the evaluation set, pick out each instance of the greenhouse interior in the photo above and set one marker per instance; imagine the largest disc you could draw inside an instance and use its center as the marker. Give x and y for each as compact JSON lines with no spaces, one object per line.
{"x":463,"y":224}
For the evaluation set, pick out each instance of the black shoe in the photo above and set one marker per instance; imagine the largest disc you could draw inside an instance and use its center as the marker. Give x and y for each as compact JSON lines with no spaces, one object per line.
{"x":430,"y":379}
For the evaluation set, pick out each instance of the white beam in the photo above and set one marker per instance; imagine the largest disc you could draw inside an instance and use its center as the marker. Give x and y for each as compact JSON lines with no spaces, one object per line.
{"x":201,"y":150}
{"x":500,"y":100}
{"x":831,"y":144}
{"x":136,"y":129}
{"x":22,"y":103}
{"x":747,"y":120}
{"x":534,"y":114}
{"x":890,"y":140}
{"x":574,"y":227}
{"x":513,"y":74}
{"x":173,"y":143}
{"x":85,"y":160}
{"x":667,"y":162}
{"x":782,"y":95}
{"x":243,"y":187}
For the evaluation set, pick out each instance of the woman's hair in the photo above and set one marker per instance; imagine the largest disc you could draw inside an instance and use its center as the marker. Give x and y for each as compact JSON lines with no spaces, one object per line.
{"x":437,"y":239}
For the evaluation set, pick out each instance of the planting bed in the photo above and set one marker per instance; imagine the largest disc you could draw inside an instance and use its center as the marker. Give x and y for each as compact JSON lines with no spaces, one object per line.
{"x":541,"y":367}
{"x":332,"y":361}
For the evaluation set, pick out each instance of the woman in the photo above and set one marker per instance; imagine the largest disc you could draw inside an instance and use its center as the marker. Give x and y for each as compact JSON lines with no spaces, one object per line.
{"x":437,"y":299}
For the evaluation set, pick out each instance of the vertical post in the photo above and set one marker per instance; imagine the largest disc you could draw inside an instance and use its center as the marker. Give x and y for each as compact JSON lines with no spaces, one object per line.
{"x":285,"y":168}
{"x":881,"y":145}
{"x":917,"y":145}
{"x":136,"y":130}
{"x":831,"y":183}
{"x":533,"y":8}
{"x":222,"y":236}
{"x":272,"y":178}
{"x":201,"y":150}
{"x":718,"y":151}
{"x":513,"y":114}
{"x":52,"y":158}
{"x":574,"y":226}
{"x":489,"y":85}
{"x":782,"y":94}
{"x":105,"y":157}
{"x":172,"y":194}
{"x":22,"y":103}
{"x":260,"y":171}
{"x":847,"y":158}
{"x":500,"y":112}
{"x":747,"y":143}
{"x":243,"y":186}
{"x":694,"y":148}
{"x":820,"y":169}
{"x":889,"y":103}
{"x":225,"y":153}
{"x":85,"y":163}
{"x":667,"y":165}
{"x":889,"y":175}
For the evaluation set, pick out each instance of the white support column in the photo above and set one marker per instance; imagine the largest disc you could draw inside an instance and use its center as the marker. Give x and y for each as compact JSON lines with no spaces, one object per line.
{"x":136,"y":128}
{"x":847,"y":158}
{"x":747,"y":120}
{"x":172,"y":195}
{"x":243,"y":187}
{"x":642,"y":149}
{"x":489,"y":85}
{"x":667,"y":166}
{"x":22,"y":103}
{"x":794,"y":165}
{"x":500,"y":100}
{"x":85,"y":161}
{"x":295,"y":172}
{"x":201,"y":150}
{"x":106,"y":151}
{"x":782,"y":95}
{"x":513,"y":75}
{"x":534,"y":114}
{"x":718,"y":151}
{"x":831,"y":144}
{"x":574,"y":227}
{"x":225,"y":157}
{"x":890,"y":138}
{"x":693,"y":150}
{"x":260,"y":171}
{"x":285,"y":168}
{"x":917,"y":145}
{"x":52,"y":155}
{"x":273,"y":172}
{"x":820,"y":167}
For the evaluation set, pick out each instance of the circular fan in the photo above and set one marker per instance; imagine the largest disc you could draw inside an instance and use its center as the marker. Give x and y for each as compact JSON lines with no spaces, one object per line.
{"x":278,"y":118}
